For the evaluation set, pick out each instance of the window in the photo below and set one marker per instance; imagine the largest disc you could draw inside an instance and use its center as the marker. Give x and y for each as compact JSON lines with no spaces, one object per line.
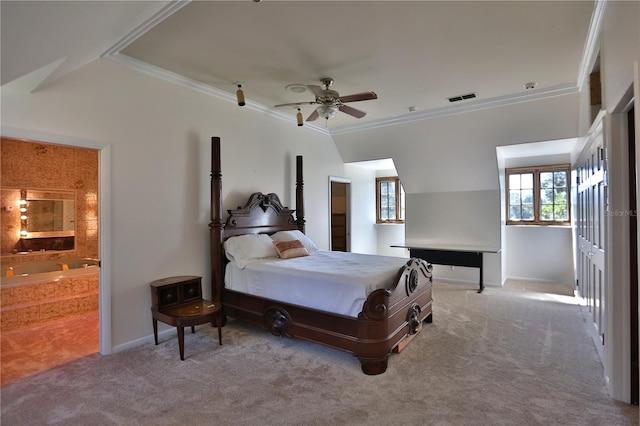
{"x":389,"y":200}
{"x":538,"y":195}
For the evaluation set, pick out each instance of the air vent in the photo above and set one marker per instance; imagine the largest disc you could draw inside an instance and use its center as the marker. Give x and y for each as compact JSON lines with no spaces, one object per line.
{"x":462,"y":97}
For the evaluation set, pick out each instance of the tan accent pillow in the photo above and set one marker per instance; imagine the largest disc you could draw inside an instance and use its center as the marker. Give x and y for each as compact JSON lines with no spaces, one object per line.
{"x":289,"y":249}
{"x":295,"y":235}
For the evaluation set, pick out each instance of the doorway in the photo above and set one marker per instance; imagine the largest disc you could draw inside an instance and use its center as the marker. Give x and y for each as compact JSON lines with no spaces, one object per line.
{"x":339,"y":200}
{"x":93,"y":331}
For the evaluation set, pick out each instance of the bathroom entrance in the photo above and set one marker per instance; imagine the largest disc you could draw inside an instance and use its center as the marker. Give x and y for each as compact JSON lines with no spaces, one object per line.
{"x":49,"y":255}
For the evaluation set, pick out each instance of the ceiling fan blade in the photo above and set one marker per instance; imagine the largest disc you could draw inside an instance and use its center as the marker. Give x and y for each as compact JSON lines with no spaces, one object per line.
{"x":365,"y":96}
{"x":352,"y":111}
{"x":314,"y":115}
{"x":316,"y":90}
{"x":295,"y":104}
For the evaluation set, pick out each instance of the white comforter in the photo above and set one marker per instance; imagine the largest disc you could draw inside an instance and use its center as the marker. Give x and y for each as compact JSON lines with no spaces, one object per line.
{"x":330,"y":281}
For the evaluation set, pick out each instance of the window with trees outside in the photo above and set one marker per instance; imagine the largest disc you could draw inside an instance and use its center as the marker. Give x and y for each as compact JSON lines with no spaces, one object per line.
{"x":538,"y":195}
{"x":390,"y":200}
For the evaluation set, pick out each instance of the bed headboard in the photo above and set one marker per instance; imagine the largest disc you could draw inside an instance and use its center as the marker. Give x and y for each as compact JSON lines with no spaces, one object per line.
{"x":262,"y":213}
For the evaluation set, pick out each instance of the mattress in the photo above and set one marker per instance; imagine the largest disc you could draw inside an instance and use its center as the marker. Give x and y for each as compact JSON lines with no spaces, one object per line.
{"x":337,"y":282}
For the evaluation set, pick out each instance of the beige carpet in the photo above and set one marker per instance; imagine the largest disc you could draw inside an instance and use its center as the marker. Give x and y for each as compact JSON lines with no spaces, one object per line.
{"x":505,"y":357}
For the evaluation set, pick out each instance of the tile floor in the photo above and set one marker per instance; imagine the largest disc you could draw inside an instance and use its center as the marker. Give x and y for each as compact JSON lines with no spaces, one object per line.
{"x":30,"y":350}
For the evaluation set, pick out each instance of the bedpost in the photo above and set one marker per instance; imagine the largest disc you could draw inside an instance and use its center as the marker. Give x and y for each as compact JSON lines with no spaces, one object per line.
{"x":216,"y":225}
{"x":299,"y":194}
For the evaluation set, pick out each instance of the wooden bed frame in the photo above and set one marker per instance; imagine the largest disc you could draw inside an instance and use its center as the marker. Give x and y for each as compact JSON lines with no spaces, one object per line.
{"x":389,"y":318}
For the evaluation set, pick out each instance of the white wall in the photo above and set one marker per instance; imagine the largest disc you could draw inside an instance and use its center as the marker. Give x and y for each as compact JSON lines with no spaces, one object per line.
{"x":159,"y":135}
{"x":460,"y":218}
{"x":388,"y":235}
{"x":540,"y":253}
{"x":363,"y":209}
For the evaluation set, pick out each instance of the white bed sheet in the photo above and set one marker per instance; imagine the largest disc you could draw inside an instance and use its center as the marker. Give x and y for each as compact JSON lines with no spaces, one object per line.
{"x":337,"y":282}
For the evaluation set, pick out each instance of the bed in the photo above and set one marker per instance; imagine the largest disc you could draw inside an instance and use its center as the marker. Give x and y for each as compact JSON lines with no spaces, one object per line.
{"x":397,"y":296}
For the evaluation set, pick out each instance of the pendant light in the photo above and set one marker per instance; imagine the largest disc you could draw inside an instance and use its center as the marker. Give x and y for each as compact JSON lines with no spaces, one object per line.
{"x":299,"y":117}
{"x":240,"y":95}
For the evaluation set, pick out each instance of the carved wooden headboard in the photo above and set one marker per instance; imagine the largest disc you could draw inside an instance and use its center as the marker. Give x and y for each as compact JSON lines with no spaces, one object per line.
{"x":262,"y":213}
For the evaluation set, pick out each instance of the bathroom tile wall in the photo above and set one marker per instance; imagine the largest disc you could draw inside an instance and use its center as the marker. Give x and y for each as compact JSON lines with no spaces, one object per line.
{"x":38,"y":165}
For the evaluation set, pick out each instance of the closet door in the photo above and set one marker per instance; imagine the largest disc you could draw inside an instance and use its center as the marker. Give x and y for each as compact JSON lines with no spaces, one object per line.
{"x":591,"y":238}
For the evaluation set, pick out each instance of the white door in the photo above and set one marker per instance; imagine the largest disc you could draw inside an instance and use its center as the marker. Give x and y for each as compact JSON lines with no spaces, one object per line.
{"x":591,"y":238}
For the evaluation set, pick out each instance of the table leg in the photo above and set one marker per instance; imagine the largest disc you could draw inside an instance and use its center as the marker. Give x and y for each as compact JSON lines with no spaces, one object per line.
{"x":481,"y":282}
{"x":219,"y":324}
{"x":181,"y":341}
{"x":155,"y":330}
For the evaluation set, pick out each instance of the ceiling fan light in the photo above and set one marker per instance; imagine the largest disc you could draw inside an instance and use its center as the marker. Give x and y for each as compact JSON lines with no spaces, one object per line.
{"x":299,"y":118}
{"x":327,"y":111}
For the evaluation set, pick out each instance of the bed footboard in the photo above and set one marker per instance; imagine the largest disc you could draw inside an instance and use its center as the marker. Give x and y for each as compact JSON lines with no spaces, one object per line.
{"x":389,"y":317}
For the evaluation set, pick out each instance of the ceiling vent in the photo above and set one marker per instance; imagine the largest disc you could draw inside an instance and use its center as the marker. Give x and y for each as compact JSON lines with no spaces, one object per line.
{"x":462,"y":97}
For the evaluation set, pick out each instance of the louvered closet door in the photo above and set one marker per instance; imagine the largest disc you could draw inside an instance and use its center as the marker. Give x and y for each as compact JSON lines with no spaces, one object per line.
{"x":591,"y":237}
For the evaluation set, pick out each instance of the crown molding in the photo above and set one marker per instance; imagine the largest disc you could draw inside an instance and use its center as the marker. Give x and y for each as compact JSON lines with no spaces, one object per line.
{"x":155,"y":19}
{"x":406,"y":118}
{"x":204,"y":88}
{"x":592,"y":44}
{"x":562,"y":90}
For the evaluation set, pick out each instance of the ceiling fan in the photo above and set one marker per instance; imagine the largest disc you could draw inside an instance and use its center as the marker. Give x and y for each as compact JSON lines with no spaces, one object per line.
{"x":330,"y":102}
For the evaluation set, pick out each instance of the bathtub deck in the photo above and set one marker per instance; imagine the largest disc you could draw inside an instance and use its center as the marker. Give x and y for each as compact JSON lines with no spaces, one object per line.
{"x":35,"y":303}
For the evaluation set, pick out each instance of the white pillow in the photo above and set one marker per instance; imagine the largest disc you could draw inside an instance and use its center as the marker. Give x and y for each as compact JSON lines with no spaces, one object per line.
{"x":243,"y":248}
{"x":295,"y":235}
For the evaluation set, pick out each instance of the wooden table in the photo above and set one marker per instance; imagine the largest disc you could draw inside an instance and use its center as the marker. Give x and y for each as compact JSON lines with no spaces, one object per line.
{"x":178,"y":301}
{"x":452,"y":255}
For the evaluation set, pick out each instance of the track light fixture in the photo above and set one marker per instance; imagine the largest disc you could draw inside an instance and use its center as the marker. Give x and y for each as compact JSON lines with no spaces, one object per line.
{"x":240,"y":95}
{"x":299,"y":117}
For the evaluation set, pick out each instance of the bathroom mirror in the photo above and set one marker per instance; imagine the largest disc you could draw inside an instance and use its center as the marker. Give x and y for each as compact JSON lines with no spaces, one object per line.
{"x":49,"y":214}
{"x":35,"y":220}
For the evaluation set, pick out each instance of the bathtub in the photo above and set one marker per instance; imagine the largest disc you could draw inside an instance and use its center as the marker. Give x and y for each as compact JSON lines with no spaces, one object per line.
{"x":43,"y":291}
{"x":50,"y":270}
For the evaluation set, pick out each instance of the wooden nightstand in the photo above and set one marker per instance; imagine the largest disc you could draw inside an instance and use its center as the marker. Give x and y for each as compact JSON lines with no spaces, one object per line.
{"x":178,"y":301}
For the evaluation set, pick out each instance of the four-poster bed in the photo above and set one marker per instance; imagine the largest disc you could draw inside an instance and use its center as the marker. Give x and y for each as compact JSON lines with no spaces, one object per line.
{"x":388,"y":316}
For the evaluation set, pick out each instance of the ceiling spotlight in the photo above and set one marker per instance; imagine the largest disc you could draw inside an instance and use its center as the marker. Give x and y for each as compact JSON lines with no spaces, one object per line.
{"x":530,"y":85}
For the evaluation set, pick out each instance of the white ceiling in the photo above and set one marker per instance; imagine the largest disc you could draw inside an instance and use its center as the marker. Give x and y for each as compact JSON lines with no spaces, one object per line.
{"x":411,"y":53}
